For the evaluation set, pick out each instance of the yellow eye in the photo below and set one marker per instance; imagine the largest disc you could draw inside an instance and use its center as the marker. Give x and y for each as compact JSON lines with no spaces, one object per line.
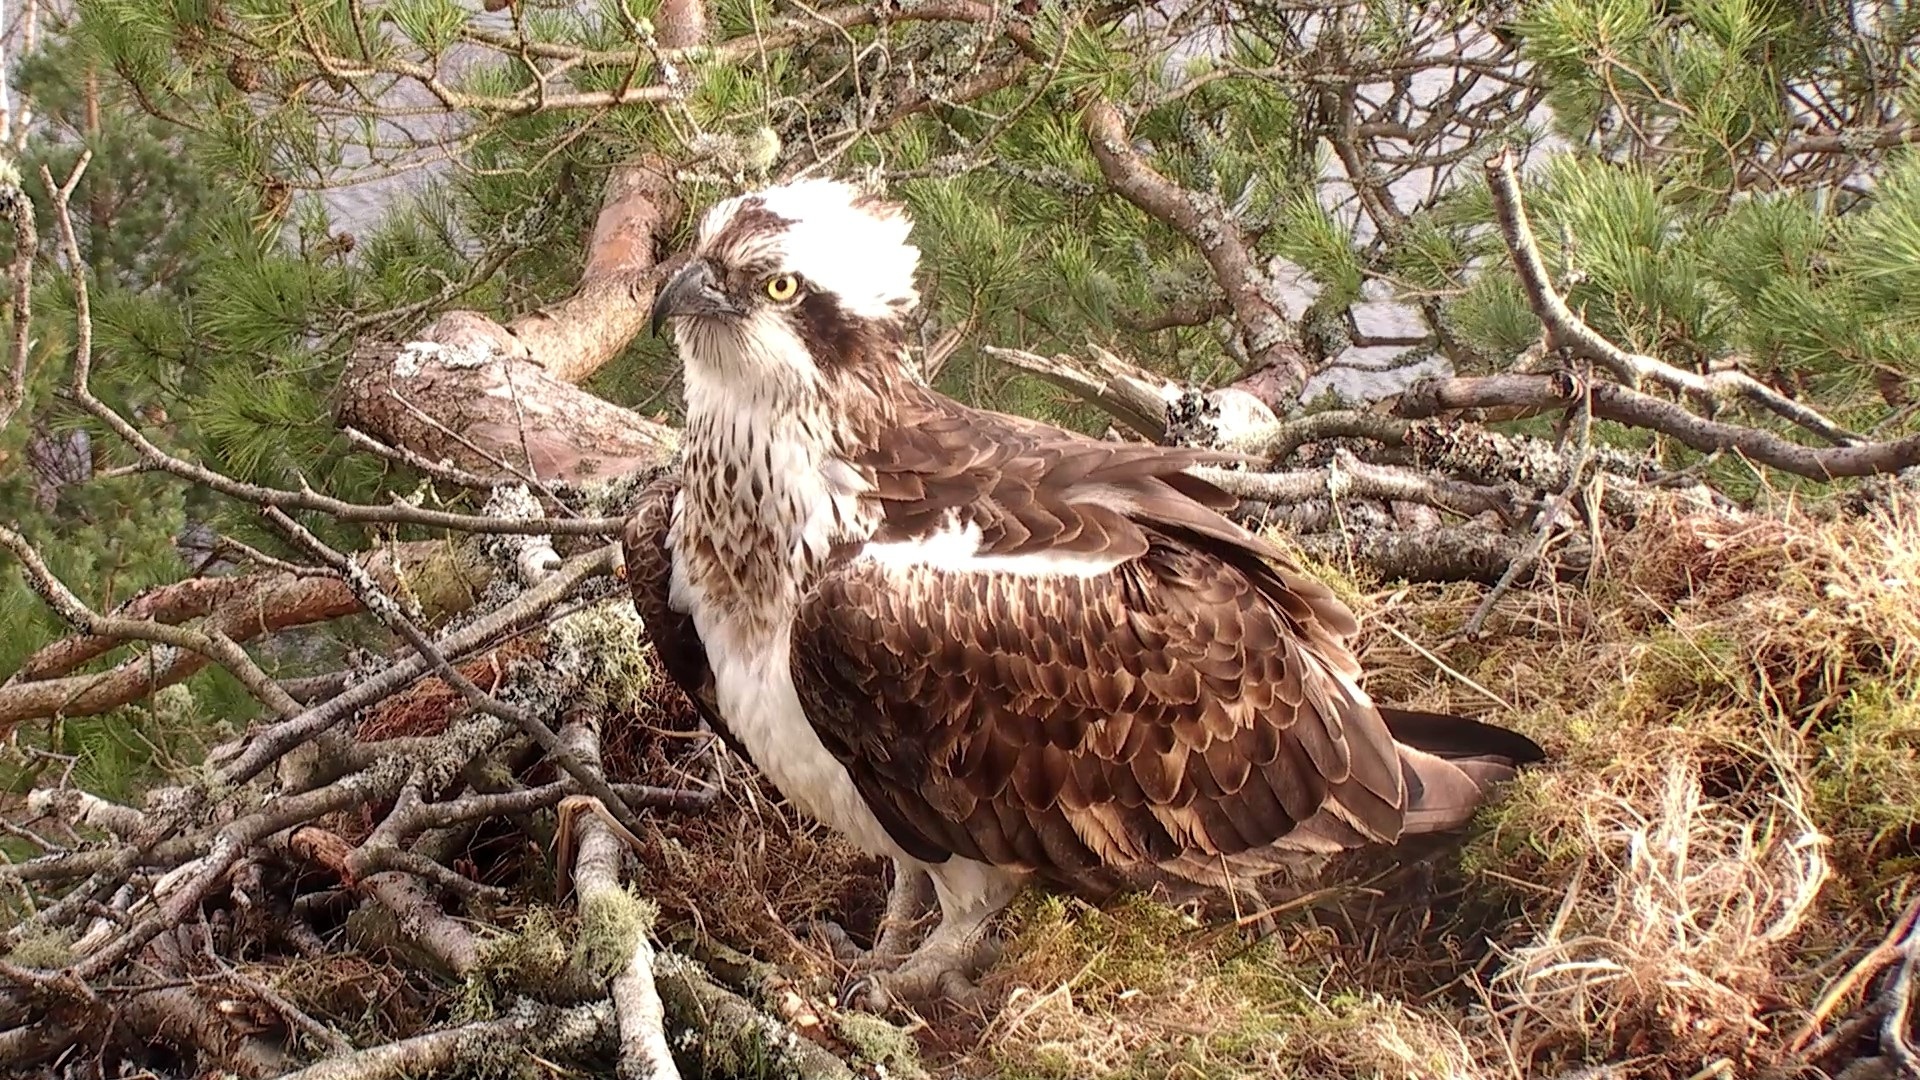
{"x":782,"y":287}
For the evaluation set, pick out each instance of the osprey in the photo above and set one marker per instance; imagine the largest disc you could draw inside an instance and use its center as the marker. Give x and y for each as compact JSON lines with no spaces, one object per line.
{"x":989,"y":649}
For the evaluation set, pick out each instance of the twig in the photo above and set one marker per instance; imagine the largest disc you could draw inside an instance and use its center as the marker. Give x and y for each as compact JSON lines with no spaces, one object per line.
{"x":241,"y":607}
{"x":1549,"y":518}
{"x":335,"y":1043}
{"x":1889,"y":949}
{"x":527,"y":609}
{"x":1457,"y":675}
{"x":438,"y":469}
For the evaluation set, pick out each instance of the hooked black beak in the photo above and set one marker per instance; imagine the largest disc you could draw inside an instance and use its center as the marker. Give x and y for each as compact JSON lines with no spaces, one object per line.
{"x":694,"y":290}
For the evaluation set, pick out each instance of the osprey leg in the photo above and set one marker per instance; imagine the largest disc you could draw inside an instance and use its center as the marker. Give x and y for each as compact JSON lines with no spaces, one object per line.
{"x":970,"y":895}
{"x":942,"y":967}
{"x":907,"y":902}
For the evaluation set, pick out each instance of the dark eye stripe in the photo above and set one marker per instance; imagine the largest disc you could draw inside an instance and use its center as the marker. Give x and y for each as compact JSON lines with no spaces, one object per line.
{"x":831,"y":335}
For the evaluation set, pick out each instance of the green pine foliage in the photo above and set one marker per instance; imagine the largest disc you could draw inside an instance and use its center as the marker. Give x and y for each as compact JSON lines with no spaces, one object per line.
{"x":225,"y":302}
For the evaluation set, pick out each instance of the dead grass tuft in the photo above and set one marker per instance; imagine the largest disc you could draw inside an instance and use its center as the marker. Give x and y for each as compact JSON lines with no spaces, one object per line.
{"x":1672,"y":923}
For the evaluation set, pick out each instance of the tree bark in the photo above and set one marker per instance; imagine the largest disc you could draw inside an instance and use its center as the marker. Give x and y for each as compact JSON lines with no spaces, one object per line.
{"x":499,"y":400}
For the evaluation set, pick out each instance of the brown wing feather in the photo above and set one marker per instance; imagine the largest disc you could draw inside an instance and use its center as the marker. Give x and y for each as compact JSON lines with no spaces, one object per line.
{"x":1198,"y":699}
{"x":649,"y":566}
{"x":1067,"y":724}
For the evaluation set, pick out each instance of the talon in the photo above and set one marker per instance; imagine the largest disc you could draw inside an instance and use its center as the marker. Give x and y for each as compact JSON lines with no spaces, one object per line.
{"x":862,"y":986}
{"x":839,"y":943}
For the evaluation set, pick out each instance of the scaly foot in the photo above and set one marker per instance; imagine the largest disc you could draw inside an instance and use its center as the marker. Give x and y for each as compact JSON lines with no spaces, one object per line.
{"x":908,"y":902}
{"x":944,"y":966}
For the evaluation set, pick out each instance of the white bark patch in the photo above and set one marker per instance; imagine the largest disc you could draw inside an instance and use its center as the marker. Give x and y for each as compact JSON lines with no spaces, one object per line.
{"x":413,"y":356}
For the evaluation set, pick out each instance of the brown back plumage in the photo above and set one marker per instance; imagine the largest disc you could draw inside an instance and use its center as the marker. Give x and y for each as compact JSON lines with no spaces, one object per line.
{"x":1197,"y":700}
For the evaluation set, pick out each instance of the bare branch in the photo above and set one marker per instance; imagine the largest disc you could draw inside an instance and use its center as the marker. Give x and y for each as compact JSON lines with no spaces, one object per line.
{"x":1630,"y":407}
{"x":440,"y":575}
{"x":26,"y":245}
{"x":1134,"y":396}
{"x":270,"y":743}
{"x":644,"y":1053}
{"x":532,"y":1026}
{"x":214,"y":645}
{"x":384,"y":608}
{"x":1350,"y":477}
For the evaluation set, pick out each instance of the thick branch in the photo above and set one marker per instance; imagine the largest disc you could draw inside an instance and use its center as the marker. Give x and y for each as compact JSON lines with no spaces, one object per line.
{"x":441,"y":576}
{"x":531,"y":1028}
{"x":469,"y":391}
{"x":644,"y":1053}
{"x":497,"y":399}
{"x":210,"y":645}
{"x":1134,"y":396}
{"x":1623,"y":406}
{"x":577,"y":336}
{"x":1350,"y":477}
{"x":1443,"y":554}
{"x":1211,"y":229}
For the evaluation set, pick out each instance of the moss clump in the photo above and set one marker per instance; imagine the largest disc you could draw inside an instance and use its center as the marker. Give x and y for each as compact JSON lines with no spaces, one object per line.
{"x":1869,"y":771}
{"x":534,"y":955}
{"x":881,"y":1043}
{"x":1139,"y":989}
{"x":48,"y":951}
{"x":609,"y":923}
{"x":603,"y":655}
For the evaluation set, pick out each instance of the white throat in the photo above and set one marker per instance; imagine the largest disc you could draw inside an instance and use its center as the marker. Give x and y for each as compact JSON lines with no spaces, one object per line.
{"x":766,"y":489}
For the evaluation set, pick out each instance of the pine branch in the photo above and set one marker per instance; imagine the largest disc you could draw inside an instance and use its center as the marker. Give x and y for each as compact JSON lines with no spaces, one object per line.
{"x":1566,"y":330}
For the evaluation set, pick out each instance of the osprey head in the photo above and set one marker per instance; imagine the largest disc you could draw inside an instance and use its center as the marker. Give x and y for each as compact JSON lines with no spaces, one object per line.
{"x":790,"y":282}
